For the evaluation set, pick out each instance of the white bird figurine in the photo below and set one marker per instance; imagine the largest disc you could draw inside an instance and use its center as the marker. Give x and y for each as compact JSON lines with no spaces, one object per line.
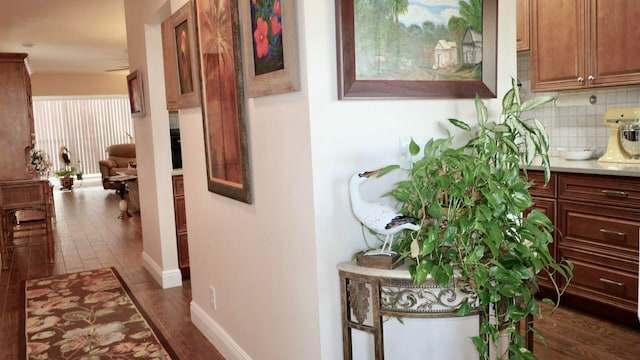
{"x":378,"y":217}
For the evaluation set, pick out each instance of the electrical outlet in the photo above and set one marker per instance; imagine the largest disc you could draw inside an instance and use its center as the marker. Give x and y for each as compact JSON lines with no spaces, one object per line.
{"x":212,"y":297}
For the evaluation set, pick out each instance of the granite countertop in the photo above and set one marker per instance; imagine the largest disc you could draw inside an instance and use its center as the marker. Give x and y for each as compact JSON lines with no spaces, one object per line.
{"x":592,"y":166}
{"x":176,"y":172}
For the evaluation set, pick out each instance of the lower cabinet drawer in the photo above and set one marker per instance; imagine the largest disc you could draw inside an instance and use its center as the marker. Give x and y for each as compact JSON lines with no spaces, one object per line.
{"x":539,"y":188}
{"x":606,"y":190}
{"x":606,"y":285}
{"x":601,"y":229}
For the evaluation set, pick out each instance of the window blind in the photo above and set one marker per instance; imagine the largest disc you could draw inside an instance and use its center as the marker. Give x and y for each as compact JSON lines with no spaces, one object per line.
{"x":85,"y":125}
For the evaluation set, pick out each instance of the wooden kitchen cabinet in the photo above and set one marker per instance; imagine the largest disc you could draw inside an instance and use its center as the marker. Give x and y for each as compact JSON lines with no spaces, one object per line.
{"x":597,"y":218}
{"x":522,"y":24}
{"x":578,"y":44}
{"x":615,"y":37}
{"x":181,"y":226}
{"x":17,"y":131}
{"x":21,"y":196}
{"x":599,"y":222}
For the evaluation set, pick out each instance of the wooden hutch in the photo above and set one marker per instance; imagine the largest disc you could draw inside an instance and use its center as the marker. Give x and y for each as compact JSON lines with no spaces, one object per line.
{"x":20,"y":190}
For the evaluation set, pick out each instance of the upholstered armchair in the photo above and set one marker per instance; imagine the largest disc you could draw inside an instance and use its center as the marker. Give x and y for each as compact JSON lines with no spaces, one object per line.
{"x":120,"y":157}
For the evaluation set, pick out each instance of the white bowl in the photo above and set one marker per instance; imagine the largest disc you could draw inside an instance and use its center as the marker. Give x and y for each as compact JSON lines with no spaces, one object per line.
{"x":576,"y":153}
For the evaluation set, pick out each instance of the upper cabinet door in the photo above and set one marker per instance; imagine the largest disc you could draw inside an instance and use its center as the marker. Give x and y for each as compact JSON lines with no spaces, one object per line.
{"x":615,"y":42}
{"x":558,"y":44}
{"x":522,"y":24}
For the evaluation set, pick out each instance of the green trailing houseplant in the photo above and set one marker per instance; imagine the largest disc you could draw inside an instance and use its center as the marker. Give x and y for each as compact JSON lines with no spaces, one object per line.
{"x":40,"y":162}
{"x":66,"y":172}
{"x":476,"y":231}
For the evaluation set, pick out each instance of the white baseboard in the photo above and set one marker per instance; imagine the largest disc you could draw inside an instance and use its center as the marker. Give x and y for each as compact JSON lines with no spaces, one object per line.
{"x":165,"y":278}
{"x":216,"y":335}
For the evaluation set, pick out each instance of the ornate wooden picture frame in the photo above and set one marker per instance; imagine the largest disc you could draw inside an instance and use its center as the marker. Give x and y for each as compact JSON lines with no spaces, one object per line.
{"x":270,"y":46}
{"x":186,"y":50}
{"x":223,"y":112}
{"x":439,"y":71}
{"x":136,"y":94}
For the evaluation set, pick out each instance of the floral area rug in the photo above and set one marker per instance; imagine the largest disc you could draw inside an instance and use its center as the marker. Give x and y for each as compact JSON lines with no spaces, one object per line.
{"x":89,"y":315}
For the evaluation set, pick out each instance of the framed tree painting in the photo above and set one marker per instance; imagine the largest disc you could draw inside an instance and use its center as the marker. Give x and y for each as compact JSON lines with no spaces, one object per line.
{"x":225,"y":133}
{"x":270,"y":46}
{"x":416,"y":49}
{"x":186,"y":56}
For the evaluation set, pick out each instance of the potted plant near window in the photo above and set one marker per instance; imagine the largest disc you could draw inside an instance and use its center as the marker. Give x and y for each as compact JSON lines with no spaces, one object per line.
{"x":79,"y":171}
{"x":472,"y":203}
{"x":40,"y":162}
{"x":65,"y":175}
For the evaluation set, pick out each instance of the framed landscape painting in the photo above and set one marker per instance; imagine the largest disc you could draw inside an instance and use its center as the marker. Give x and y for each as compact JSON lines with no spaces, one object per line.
{"x":270,"y":46}
{"x":416,"y":49}
{"x":223,"y":113}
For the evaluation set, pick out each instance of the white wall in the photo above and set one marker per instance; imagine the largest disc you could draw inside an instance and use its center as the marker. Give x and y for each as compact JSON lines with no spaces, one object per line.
{"x":153,"y":148}
{"x":350,"y":136}
{"x":72,"y":84}
{"x":261,"y":257}
{"x":273,"y":263}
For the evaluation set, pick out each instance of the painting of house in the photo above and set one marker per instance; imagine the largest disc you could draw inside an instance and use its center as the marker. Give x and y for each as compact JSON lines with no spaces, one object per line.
{"x":471,"y":47}
{"x":445,"y":54}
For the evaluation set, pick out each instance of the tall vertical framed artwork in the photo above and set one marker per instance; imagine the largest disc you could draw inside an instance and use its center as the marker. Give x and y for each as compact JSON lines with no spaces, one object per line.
{"x":270,"y":46}
{"x":184,"y":29}
{"x":136,"y":94}
{"x":223,"y":113}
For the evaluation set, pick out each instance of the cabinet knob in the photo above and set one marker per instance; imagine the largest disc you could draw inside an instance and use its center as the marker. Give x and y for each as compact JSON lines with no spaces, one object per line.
{"x":581,"y":80}
{"x":591,"y":78}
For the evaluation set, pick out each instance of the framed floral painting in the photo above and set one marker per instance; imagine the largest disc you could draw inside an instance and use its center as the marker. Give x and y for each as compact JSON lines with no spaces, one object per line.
{"x":269,"y":43}
{"x":223,"y":103}
{"x":186,"y":56}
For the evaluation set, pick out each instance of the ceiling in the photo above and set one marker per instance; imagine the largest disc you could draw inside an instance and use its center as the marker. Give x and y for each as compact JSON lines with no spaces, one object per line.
{"x":67,"y":36}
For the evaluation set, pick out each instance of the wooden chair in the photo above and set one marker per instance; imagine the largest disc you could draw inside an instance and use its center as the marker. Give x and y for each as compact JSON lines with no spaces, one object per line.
{"x":33,"y":197}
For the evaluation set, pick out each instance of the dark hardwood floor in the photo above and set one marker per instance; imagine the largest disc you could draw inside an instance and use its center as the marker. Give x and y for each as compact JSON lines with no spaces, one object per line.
{"x":571,"y":334}
{"x":88,"y":236}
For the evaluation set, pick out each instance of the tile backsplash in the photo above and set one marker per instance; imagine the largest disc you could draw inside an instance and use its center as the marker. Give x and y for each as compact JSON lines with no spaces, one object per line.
{"x":572,"y":121}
